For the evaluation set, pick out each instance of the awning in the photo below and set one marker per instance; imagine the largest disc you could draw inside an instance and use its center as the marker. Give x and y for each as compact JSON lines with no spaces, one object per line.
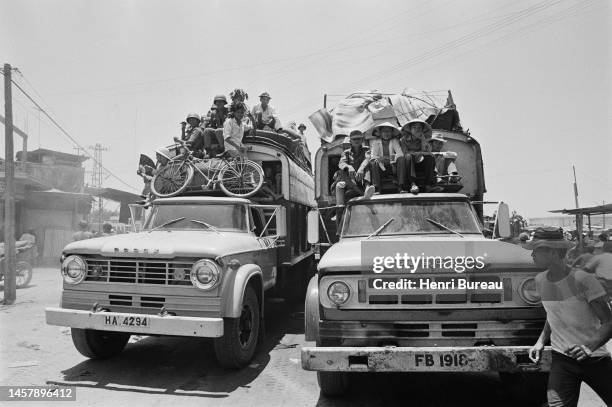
{"x":590,"y":210}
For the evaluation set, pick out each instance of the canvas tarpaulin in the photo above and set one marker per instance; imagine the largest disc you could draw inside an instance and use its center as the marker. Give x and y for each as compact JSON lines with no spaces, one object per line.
{"x":362,"y":111}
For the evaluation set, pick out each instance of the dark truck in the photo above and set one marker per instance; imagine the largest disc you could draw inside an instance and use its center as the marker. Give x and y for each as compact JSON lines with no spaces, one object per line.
{"x":478,"y":319}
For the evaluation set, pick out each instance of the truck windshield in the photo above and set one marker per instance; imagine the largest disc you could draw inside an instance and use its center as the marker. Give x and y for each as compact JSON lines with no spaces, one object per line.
{"x":410,"y":218}
{"x":222,"y":217}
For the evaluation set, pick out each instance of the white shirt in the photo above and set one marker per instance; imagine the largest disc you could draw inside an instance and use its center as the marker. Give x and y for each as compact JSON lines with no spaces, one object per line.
{"x":267,"y":115}
{"x":232,"y":130}
{"x":571,"y":319}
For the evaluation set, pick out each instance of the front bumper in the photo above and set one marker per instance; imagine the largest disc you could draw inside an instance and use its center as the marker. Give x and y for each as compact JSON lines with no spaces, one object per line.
{"x":423,"y":359}
{"x":155,"y":325}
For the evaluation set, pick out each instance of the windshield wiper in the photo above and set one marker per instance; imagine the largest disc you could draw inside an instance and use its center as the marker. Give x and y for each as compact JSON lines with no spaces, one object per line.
{"x":170,"y":222}
{"x":381,"y":228}
{"x":442,"y":226}
{"x":211,"y":227}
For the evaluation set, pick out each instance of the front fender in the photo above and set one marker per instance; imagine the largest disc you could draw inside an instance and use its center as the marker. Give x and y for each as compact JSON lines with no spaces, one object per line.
{"x":234,"y":291}
{"x":311,"y":310}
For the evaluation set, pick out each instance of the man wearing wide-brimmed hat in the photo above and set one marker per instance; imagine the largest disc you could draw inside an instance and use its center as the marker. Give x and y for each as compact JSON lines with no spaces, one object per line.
{"x":384,"y":150}
{"x":578,"y":322}
{"x":352,"y":178}
{"x":265,"y":116}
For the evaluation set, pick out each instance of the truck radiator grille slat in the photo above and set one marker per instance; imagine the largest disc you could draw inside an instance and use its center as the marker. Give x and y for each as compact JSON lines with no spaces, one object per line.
{"x":137,"y":271}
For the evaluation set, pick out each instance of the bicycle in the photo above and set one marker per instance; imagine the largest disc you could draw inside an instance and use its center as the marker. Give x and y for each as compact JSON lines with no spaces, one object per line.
{"x":237,"y":177}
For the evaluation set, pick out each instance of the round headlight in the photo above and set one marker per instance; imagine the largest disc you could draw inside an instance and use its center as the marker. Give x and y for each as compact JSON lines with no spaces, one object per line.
{"x":528,"y":292}
{"x":338,"y":292}
{"x":74,"y":269}
{"x":205,"y":274}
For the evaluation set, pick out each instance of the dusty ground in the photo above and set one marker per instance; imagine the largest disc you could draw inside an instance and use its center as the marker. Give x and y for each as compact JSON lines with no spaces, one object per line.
{"x":162,"y":371}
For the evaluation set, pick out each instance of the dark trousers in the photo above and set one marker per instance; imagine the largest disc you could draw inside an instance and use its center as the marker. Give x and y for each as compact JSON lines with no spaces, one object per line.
{"x":407,"y":169}
{"x":406,"y":173}
{"x":211,"y":137}
{"x":378,"y":174}
{"x":566,"y":375}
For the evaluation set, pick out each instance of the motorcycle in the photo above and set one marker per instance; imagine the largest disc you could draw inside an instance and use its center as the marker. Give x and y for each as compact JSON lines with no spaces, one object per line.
{"x":26,"y":256}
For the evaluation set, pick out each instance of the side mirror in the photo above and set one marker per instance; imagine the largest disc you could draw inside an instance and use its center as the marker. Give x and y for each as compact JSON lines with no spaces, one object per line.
{"x":313,"y":226}
{"x":502,"y":222}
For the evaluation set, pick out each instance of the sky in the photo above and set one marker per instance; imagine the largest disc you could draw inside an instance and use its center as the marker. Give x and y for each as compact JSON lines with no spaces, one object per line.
{"x":532,"y":80}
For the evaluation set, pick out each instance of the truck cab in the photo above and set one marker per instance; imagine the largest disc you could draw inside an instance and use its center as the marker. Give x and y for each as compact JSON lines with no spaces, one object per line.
{"x":416,"y":283}
{"x":479,"y":312}
{"x":201,"y":266}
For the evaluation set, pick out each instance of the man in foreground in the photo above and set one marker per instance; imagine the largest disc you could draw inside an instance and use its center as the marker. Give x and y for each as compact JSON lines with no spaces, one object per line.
{"x":578,"y":323}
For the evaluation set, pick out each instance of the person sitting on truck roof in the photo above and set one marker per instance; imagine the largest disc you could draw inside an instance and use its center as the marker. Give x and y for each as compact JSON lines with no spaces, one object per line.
{"x":384,"y":150}
{"x":213,"y":123}
{"x":352,"y":177}
{"x":233,"y":130}
{"x":194,"y":135}
{"x":265,"y":116}
{"x":417,"y":157}
{"x":445,"y":163}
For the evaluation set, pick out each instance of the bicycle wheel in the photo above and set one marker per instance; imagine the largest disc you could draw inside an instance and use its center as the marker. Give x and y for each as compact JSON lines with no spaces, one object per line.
{"x":241,"y":178}
{"x":172,"y":179}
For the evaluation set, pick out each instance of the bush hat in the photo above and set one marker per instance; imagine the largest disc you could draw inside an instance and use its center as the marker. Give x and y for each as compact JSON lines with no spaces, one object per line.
{"x":548,"y":237}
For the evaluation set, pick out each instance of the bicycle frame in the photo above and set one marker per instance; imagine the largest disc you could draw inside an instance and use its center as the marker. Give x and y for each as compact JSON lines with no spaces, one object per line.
{"x":210,"y":183}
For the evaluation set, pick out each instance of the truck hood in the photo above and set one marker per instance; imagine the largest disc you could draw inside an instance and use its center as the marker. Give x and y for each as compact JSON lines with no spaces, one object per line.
{"x":166,"y":244}
{"x":349,"y":255}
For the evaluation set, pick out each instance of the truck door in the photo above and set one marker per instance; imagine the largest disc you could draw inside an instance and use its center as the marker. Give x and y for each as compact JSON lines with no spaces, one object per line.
{"x":264,"y":224}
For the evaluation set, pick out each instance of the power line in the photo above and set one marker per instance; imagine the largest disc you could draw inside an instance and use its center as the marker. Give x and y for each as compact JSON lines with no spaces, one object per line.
{"x":68,"y":135}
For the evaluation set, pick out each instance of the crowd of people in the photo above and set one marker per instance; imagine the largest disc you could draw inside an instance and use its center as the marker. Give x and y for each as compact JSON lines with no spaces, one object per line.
{"x":222,"y":128}
{"x":413,"y":155}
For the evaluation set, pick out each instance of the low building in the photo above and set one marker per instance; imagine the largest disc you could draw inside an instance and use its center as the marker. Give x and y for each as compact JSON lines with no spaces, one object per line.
{"x":50,"y":198}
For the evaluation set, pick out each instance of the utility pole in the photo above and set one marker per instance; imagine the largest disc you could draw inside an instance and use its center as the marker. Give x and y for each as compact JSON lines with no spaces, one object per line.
{"x":97,"y":177}
{"x":9,"y":193}
{"x":579,"y":215}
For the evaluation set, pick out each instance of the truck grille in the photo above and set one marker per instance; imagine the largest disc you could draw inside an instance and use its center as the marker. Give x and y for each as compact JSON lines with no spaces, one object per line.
{"x":138,"y":271}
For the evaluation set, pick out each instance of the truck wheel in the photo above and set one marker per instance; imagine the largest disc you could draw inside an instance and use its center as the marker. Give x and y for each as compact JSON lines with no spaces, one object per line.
{"x":236,"y":347}
{"x":525,"y":388}
{"x":333,"y":383}
{"x":99,"y":344}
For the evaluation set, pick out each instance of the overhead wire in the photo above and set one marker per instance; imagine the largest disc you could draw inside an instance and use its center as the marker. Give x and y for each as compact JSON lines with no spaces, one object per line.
{"x":502,"y":22}
{"x":465,"y":39}
{"x":65,"y":132}
{"x":536,"y":25}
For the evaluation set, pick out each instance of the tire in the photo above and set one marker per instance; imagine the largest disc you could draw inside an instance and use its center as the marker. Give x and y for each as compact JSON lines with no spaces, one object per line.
{"x":527,"y":389}
{"x":99,"y":344}
{"x":333,"y":384}
{"x":172,"y":179}
{"x":236,"y":347}
{"x":23,"y":274}
{"x":232,"y":178}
